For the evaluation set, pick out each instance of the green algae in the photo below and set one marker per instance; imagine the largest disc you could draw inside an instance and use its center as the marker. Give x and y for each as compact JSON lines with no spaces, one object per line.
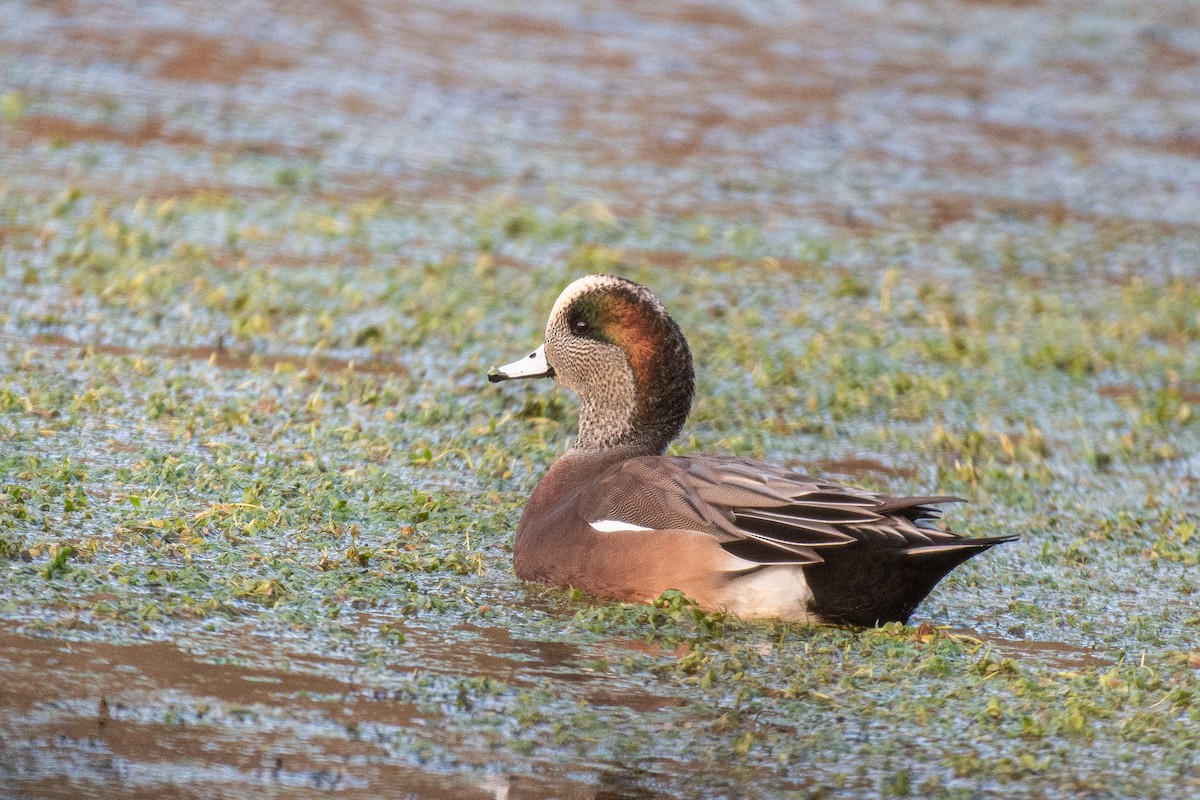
{"x":197,"y":435}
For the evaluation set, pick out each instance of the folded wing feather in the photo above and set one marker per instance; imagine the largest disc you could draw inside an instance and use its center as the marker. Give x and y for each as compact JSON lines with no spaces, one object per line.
{"x":761,"y":513}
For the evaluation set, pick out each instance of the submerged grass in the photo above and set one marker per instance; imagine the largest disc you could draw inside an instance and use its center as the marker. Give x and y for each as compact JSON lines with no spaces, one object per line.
{"x":224,"y":414}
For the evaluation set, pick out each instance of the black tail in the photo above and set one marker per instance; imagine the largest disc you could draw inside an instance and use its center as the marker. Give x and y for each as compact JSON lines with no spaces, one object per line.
{"x":853,"y":587}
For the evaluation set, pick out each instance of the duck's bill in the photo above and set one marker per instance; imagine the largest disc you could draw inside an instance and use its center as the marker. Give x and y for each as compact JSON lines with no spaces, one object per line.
{"x":533,"y":365}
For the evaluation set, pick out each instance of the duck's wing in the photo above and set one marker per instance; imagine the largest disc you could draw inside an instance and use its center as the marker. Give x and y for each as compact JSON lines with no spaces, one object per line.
{"x":764,"y":514}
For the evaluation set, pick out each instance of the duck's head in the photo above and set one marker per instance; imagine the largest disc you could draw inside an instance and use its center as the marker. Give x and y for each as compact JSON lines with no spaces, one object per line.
{"x":613,"y":343}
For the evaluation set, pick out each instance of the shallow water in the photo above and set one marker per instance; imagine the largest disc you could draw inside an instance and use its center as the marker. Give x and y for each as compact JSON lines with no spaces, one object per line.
{"x":138,"y":720}
{"x":255,"y":265}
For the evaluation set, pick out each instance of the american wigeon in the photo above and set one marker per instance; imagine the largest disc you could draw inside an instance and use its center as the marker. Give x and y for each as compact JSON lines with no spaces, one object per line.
{"x":616,"y":518}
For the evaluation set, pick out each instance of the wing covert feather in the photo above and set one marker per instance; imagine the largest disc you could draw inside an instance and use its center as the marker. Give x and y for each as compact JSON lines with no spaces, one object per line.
{"x":758,"y":512}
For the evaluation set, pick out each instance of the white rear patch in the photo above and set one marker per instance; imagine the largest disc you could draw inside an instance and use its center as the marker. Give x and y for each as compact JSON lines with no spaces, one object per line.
{"x":771,"y":591}
{"x":615,"y":526}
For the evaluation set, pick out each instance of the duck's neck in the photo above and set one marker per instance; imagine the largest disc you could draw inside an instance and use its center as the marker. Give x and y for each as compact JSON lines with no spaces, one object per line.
{"x":638,"y":416}
{"x":605,"y":432}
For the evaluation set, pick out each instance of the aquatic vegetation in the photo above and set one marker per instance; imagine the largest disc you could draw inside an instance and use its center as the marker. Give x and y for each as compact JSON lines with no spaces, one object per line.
{"x":256,"y":494}
{"x":193,"y":441}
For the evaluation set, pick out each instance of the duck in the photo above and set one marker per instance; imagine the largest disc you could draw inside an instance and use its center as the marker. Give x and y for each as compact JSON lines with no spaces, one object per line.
{"x":617,"y":518}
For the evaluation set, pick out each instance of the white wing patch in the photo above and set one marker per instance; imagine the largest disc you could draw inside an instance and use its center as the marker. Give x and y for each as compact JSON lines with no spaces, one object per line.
{"x":615,"y":526}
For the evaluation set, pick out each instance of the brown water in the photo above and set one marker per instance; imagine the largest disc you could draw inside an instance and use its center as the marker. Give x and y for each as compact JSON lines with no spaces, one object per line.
{"x":236,"y":715}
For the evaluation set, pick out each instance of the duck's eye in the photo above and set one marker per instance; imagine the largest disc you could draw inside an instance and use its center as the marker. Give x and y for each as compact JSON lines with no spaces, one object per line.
{"x":581,"y":327}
